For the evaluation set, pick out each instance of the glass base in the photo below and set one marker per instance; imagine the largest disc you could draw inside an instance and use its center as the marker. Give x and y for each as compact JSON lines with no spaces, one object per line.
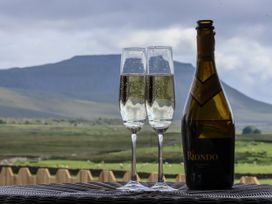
{"x":133,"y":186}
{"x":162,"y":186}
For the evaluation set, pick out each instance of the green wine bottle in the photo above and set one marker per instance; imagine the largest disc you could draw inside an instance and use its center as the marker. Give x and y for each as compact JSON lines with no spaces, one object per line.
{"x":208,"y":130}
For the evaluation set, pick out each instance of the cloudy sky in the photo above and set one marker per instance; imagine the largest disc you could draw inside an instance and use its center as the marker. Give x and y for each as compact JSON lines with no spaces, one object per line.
{"x":35,"y":32}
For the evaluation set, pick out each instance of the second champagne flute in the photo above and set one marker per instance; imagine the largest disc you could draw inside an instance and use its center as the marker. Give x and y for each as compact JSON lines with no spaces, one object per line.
{"x":160,"y":100}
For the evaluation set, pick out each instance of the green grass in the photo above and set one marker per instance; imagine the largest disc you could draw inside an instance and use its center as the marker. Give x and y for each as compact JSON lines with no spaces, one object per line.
{"x":262,"y":181}
{"x":253,"y":168}
{"x":110,"y":143}
{"x":255,"y":152}
{"x":169,"y":168}
{"x":141,"y":167}
{"x":65,"y":141}
{"x":265,"y":181}
{"x":60,"y":141}
{"x":85,"y":145}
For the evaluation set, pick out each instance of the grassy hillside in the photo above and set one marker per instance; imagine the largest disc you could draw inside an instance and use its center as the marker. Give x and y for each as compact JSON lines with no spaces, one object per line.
{"x":109,"y":143}
{"x":67,"y":140}
{"x":25,"y":104}
{"x":83,"y":86}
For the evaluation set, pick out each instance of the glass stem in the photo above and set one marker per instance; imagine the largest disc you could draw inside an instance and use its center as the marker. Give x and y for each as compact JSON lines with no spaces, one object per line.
{"x":160,"y":161}
{"x":133,"y":155}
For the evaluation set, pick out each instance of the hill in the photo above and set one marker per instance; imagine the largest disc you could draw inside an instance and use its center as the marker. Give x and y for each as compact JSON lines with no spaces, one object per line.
{"x":17,"y":103}
{"x":87,"y":87}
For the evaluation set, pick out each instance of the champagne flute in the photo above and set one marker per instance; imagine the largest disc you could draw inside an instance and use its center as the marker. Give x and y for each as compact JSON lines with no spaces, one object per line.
{"x":132,"y":103}
{"x":160,"y":100}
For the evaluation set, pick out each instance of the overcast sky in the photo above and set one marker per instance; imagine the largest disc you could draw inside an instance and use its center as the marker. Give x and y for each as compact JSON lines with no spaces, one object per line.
{"x":36,"y":32}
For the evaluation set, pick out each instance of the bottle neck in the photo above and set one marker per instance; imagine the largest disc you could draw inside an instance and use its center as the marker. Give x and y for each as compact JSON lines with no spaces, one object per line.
{"x":205,"y":44}
{"x":205,"y":54}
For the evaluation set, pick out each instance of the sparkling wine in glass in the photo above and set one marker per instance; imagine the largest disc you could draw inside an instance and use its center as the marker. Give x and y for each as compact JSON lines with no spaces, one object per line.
{"x":160,"y":100}
{"x":132,"y":103}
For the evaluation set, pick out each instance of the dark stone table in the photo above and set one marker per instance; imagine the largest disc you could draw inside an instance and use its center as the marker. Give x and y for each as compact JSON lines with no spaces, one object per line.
{"x":97,"y":192}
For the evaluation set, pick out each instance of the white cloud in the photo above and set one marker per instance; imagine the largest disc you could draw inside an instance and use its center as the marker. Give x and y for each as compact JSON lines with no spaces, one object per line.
{"x":245,"y":64}
{"x":181,"y":39}
{"x":43,"y":46}
{"x":34,"y":32}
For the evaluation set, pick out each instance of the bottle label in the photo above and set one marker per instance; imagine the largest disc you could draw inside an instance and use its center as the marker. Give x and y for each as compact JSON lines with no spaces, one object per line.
{"x":210,"y":154}
{"x":202,"y":157}
{"x":202,"y":92}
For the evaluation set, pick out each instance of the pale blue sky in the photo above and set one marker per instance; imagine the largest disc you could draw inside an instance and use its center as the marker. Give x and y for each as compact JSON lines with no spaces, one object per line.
{"x":36,"y":32}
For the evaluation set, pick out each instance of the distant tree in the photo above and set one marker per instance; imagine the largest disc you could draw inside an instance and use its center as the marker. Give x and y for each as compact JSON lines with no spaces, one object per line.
{"x":250,"y":130}
{"x":257,"y":131}
{"x":2,"y":121}
{"x":247,"y":130}
{"x":27,"y":122}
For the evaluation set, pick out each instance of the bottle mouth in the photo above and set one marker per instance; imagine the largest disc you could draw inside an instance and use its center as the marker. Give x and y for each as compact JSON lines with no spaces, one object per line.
{"x":208,"y":24}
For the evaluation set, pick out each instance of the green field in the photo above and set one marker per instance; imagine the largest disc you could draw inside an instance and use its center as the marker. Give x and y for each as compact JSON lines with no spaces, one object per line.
{"x":109,"y":143}
{"x":74,"y":140}
{"x":103,"y":145}
{"x":169,"y":168}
